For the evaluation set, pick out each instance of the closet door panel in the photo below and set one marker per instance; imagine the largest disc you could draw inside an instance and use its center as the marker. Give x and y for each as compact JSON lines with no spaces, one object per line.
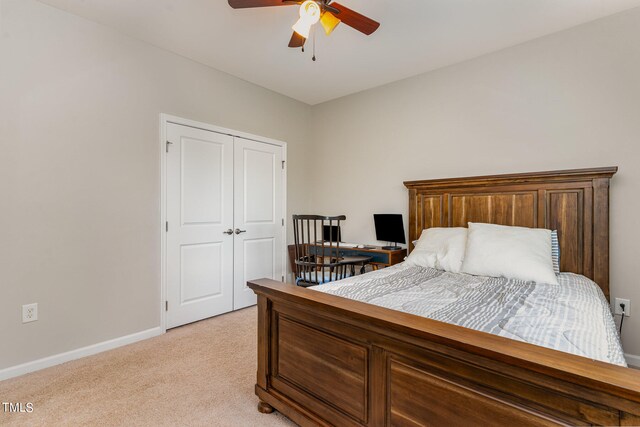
{"x":199,"y":210}
{"x":258,"y":214}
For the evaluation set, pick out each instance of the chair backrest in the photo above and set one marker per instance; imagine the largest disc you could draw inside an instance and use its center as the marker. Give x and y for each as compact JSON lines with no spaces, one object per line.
{"x":316,"y":260}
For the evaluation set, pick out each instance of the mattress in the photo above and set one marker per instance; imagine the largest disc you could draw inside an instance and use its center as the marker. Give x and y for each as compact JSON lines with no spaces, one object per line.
{"x":573,"y":316}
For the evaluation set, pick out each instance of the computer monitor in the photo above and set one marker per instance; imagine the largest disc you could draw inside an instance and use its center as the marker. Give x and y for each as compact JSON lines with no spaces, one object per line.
{"x":331,"y":233}
{"x":389,"y":228}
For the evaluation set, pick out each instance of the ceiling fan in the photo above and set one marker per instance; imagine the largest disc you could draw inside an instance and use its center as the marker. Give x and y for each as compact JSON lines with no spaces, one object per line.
{"x":326,"y":12}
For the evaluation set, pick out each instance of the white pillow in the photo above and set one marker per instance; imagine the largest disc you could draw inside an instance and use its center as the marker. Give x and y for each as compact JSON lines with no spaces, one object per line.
{"x":511,"y":252}
{"x":440,"y":248}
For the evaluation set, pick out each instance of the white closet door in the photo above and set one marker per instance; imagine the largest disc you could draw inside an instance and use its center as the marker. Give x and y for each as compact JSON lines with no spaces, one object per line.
{"x":199,"y":211}
{"x":258,"y":217}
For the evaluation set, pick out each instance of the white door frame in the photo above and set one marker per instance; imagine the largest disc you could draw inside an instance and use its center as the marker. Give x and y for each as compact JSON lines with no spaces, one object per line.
{"x":165,"y":119}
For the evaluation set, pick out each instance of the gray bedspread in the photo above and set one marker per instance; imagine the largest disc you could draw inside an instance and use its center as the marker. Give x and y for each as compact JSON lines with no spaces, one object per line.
{"x":573,"y":316}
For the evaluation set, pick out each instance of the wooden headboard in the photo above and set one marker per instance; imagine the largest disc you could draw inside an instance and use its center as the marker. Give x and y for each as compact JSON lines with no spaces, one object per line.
{"x":574,"y":202}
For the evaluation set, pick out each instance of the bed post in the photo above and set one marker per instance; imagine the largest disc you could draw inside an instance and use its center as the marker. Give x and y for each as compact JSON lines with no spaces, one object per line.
{"x":601,"y":233}
{"x":414,"y":234}
{"x":264,"y":314}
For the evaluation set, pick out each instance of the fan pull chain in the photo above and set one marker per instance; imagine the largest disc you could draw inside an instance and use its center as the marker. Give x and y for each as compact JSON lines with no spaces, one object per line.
{"x":314,"y":45}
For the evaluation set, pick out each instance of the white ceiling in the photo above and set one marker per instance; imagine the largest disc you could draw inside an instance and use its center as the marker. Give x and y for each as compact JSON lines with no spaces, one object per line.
{"x":415,"y":36}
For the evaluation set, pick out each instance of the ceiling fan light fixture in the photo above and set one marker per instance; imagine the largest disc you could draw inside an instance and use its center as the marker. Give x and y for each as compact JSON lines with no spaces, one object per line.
{"x":329,"y":22}
{"x":310,"y":11}
{"x":302,"y":27}
{"x":309,"y":15}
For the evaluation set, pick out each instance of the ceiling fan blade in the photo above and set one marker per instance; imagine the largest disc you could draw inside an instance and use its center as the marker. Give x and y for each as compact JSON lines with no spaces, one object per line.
{"x":243,"y":4}
{"x":297,"y":40}
{"x":355,"y":20}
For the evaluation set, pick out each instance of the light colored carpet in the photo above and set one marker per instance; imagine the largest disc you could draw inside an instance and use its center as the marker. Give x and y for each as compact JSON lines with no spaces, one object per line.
{"x":199,"y":374}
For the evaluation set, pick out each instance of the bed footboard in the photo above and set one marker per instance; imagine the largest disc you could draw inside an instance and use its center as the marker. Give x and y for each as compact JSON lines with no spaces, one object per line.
{"x":326,"y":360}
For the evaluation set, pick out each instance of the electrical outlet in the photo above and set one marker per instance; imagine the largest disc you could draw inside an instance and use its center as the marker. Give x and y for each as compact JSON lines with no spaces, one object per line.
{"x":29,"y":313}
{"x":627,"y":307}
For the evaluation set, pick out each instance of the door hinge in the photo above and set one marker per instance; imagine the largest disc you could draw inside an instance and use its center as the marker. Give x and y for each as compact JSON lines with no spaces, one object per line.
{"x":166,"y":226}
{"x":283,"y":164}
{"x":166,"y":306}
{"x":283,"y":222}
{"x":167,"y":146}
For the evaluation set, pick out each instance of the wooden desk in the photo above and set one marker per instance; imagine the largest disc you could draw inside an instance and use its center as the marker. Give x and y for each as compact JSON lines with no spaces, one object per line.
{"x":380,"y":258}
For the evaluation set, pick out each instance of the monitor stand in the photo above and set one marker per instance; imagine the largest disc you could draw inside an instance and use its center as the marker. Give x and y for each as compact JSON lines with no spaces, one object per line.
{"x":392,"y":248}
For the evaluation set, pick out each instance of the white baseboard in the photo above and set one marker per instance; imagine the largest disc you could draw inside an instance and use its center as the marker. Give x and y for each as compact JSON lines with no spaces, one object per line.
{"x":632,"y":360}
{"x":57,"y":359}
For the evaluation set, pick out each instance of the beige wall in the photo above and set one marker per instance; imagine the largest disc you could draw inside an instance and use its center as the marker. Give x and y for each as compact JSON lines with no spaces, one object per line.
{"x":568,"y":100}
{"x":80,"y":175}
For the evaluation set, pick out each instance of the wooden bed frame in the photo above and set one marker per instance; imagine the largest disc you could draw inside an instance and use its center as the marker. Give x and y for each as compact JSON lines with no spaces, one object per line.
{"x":327,"y":360}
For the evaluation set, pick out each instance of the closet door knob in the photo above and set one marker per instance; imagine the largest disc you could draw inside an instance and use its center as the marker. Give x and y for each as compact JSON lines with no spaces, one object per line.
{"x":238,"y":231}
{"x":229,"y":232}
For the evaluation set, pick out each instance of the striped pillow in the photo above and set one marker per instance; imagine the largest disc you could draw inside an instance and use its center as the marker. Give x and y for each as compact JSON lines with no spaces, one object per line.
{"x":555,"y":251}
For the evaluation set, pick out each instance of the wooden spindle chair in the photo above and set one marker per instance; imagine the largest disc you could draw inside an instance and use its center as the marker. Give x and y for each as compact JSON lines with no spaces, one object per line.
{"x":318,"y":261}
